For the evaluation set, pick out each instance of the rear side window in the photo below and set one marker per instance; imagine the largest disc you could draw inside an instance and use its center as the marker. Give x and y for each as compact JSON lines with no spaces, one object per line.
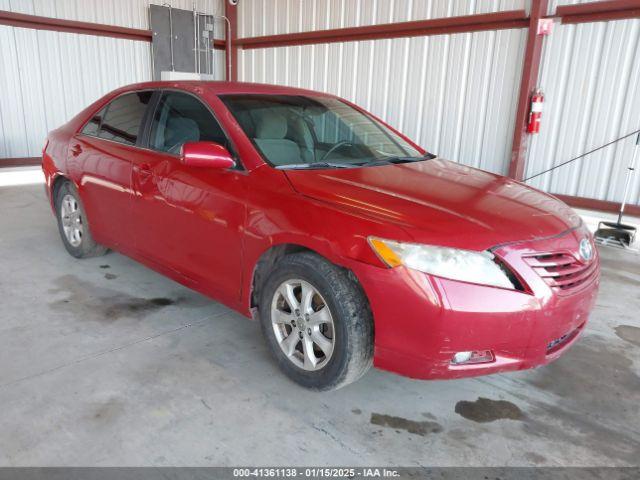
{"x":93,"y":125}
{"x":123,"y":118}
{"x":182,"y":118}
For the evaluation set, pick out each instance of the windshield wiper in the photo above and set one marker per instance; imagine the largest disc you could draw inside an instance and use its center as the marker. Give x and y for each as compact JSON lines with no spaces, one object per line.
{"x":308,"y":166}
{"x":396,"y":159}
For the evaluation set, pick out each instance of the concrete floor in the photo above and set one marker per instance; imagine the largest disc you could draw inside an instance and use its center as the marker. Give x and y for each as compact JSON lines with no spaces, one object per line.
{"x":104,"y":362}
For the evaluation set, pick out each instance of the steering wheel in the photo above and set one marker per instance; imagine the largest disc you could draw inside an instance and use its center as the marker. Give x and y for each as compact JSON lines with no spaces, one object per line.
{"x":340,"y":144}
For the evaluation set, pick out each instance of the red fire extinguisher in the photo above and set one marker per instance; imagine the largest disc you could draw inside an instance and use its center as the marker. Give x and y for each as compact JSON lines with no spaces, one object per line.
{"x":533,"y":125}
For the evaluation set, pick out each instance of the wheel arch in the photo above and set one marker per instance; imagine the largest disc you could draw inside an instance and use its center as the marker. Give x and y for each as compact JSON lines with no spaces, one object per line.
{"x":268,"y":259}
{"x":55,"y":186}
{"x":57,"y":182}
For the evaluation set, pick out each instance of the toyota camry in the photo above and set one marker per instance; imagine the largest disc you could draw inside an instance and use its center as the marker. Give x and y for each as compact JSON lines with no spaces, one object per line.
{"x":350,"y":244}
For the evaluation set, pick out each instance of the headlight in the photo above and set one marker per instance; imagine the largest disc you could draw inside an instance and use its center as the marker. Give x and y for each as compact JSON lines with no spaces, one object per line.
{"x":465,"y":265}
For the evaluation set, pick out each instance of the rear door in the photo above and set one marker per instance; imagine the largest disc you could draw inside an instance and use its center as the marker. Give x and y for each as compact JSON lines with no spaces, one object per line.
{"x":189,"y":219}
{"x":101,"y":157}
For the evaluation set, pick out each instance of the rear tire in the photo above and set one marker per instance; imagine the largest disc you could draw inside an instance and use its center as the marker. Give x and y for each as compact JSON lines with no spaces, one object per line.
{"x":73,"y":225}
{"x":323,"y":341}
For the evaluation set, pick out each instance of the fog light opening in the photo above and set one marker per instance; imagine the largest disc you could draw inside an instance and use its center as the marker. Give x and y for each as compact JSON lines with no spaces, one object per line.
{"x":469,"y":358}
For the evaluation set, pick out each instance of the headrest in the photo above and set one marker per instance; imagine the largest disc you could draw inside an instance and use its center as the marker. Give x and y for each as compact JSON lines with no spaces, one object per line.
{"x":183,"y":126}
{"x":271,"y":125}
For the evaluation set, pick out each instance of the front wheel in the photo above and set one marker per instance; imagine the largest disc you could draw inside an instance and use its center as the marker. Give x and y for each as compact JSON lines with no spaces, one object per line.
{"x":317,"y":322}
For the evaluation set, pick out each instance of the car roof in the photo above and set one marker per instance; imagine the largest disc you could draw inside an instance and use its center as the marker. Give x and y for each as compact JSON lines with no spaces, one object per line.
{"x":226,"y":88}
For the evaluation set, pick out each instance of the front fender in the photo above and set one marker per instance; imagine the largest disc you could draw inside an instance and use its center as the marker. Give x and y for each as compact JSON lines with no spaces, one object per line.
{"x":278,"y":215}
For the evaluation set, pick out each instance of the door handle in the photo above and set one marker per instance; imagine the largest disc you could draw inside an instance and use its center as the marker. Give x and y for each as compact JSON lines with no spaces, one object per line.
{"x":144,"y":170}
{"x":76,"y":150}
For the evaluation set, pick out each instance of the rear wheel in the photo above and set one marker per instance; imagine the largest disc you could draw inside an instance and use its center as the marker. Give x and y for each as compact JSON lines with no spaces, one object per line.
{"x":317,"y":322}
{"x":73,"y":225}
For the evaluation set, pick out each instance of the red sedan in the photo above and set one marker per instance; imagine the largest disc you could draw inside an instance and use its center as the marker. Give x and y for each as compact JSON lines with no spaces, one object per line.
{"x":351,"y":244}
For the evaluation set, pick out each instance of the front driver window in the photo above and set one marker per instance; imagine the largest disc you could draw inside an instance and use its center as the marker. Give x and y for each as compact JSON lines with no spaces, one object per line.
{"x":182,"y":118}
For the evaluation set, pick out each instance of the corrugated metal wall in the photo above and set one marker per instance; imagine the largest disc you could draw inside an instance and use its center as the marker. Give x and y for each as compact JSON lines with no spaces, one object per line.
{"x":271,"y":17}
{"x":124,"y":13}
{"x":590,"y":75}
{"x":454,"y":94}
{"x":47,"y":77}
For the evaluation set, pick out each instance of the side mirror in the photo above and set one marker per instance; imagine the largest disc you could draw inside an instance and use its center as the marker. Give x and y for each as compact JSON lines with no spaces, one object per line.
{"x":206,"y":154}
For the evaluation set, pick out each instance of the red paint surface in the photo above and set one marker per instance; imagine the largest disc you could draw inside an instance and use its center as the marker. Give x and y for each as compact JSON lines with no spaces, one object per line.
{"x":207,"y":155}
{"x":207,"y":228}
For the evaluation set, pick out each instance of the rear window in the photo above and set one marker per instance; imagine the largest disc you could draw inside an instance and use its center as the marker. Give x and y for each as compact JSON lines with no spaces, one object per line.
{"x":123,"y":118}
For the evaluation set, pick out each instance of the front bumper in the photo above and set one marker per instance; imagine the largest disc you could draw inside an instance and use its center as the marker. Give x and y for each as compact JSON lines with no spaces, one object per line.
{"x":421,"y":321}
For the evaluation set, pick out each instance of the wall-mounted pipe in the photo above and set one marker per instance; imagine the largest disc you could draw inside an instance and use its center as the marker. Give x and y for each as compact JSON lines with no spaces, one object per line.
{"x":170,"y":33}
{"x":228,"y":47}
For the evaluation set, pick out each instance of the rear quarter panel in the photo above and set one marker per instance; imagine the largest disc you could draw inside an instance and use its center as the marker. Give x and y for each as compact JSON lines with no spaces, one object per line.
{"x":55,"y":155}
{"x":54,"y":158}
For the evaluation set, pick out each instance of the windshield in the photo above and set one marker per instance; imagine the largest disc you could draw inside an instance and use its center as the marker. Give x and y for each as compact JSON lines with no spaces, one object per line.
{"x":293,"y":131}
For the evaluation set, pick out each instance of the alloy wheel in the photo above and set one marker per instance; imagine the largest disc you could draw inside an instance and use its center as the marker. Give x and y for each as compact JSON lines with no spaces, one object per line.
{"x":71,"y":218}
{"x":303,"y":324}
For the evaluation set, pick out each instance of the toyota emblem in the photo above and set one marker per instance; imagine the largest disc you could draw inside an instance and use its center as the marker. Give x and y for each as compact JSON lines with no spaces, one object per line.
{"x":586,"y":250}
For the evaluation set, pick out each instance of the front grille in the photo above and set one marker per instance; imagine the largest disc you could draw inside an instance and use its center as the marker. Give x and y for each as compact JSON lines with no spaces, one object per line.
{"x":562,"y":271}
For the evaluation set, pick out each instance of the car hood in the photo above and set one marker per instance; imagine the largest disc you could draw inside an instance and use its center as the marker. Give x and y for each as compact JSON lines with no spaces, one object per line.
{"x":441,"y":202}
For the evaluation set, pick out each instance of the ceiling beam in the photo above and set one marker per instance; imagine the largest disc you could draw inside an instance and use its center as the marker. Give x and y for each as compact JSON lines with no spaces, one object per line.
{"x":436,"y":26}
{"x":599,"y":11}
{"x":23,"y":20}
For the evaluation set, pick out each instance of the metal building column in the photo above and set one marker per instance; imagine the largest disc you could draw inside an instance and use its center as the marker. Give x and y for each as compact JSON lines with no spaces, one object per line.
{"x":530,"y":69}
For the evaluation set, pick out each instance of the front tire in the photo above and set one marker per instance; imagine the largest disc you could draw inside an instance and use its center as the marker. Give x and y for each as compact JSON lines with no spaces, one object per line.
{"x":317,"y":322}
{"x":73,"y":225}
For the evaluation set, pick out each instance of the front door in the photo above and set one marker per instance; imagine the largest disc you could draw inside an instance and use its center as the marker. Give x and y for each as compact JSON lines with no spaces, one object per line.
{"x":189,"y":219}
